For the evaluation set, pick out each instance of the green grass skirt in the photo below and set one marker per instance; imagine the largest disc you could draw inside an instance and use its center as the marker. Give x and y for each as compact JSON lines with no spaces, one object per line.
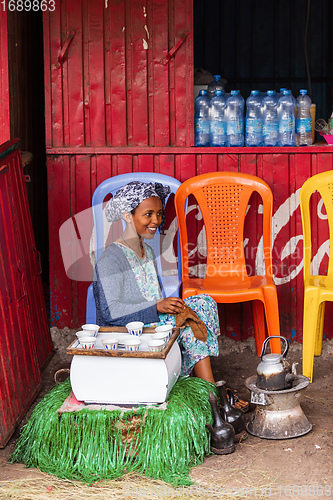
{"x":91,"y":445}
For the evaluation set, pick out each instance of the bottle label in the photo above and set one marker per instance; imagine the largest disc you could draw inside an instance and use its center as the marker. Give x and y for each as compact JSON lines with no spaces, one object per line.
{"x":202,"y":127}
{"x":235,"y":127}
{"x":253,"y":126}
{"x":303,"y":125}
{"x":287,"y":125}
{"x":270,"y":129}
{"x":218,"y":128}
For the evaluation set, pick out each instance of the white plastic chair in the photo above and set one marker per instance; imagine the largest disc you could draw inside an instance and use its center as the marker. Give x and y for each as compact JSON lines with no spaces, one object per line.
{"x":170,"y":284}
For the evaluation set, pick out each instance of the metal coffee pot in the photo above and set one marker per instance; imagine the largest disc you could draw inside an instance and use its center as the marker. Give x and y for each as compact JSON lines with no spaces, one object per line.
{"x":274,"y":373}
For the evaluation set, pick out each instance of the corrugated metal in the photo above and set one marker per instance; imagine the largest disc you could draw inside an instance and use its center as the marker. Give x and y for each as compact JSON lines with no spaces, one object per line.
{"x":261,"y":45}
{"x":25,"y":343}
{"x":284,"y":169}
{"x":108,"y":81}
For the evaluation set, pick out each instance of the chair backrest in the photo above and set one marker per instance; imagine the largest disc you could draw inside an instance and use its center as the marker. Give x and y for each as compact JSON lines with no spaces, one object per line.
{"x":110,"y":186}
{"x":323,"y":183}
{"x":223,"y":199}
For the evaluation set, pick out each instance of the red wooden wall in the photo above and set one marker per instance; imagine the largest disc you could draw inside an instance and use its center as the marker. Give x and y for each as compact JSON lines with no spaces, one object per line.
{"x":109,"y":77}
{"x":119,"y":98}
{"x":76,"y":177}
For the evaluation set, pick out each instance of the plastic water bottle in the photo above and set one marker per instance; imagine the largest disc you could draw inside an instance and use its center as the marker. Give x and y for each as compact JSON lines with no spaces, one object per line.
{"x":201,"y":119}
{"x":235,"y":119}
{"x":253,"y":121}
{"x":303,"y":119}
{"x":216,"y":84}
{"x":218,"y":124}
{"x":287,"y":136}
{"x":270,"y":127}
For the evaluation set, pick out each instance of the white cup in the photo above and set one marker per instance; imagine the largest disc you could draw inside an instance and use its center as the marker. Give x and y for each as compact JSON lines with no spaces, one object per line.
{"x":161,"y":336}
{"x":135,"y":328}
{"x":132,"y":344}
{"x":90,"y":329}
{"x":87,"y":342}
{"x":81,"y":333}
{"x":165,"y":329}
{"x":156,"y":345}
{"x":110,"y":344}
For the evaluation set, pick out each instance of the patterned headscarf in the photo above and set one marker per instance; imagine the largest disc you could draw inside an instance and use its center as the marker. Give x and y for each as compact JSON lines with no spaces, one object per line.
{"x":128,"y":197}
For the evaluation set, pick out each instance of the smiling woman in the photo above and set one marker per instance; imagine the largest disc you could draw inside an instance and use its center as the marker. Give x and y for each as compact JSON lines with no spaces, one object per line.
{"x":127,"y":286}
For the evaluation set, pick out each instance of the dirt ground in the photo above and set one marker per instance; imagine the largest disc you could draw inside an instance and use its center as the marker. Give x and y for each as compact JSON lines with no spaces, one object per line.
{"x":259,"y":468}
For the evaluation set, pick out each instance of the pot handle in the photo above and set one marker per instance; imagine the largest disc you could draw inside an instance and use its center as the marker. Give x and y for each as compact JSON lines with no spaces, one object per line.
{"x":275,"y":337}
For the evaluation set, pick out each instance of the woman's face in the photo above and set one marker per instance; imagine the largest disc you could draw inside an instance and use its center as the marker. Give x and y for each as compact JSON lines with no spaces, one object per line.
{"x":147,"y":217}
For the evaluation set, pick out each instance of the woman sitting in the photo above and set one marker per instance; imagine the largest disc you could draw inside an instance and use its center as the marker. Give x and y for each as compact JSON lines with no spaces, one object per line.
{"x":126,"y":284}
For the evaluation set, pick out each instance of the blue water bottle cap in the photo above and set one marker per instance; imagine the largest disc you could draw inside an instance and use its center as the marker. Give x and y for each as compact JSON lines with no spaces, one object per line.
{"x":203,"y":92}
{"x":303,"y":91}
{"x":234,"y":92}
{"x":255,"y":92}
{"x":282,"y":89}
{"x":286,"y":92}
{"x":217,"y":77}
{"x":271,"y":92}
{"x":218,"y":92}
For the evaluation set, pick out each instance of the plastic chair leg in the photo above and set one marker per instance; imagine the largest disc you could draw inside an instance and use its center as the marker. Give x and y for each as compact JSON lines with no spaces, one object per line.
{"x":90,"y":306}
{"x":259,"y":324}
{"x":272,"y":317}
{"x":319,"y":330}
{"x":310,"y":325}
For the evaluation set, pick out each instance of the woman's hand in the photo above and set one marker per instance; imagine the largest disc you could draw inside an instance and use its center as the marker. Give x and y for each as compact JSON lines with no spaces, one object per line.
{"x":170,"y":305}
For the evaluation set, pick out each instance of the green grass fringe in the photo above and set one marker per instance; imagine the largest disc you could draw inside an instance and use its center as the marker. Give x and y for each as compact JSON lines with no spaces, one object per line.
{"x":87,"y":445}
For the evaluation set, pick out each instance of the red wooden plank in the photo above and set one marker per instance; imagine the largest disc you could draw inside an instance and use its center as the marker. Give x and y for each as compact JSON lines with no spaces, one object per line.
{"x":208,"y":164}
{"x":146,"y":163}
{"x":103,"y":171}
{"x":159,"y":86}
{"x":55,"y":114}
{"x":167,"y":165}
{"x":73,"y":76}
{"x":116,"y":42}
{"x":178,"y":67}
{"x":95,"y":48}
{"x":295,"y":312}
{"x":59,"y":186}
{"x":149,"y":43}
{"x":4,"y":84}
{"x":230,"y":163}
{"x":323,"y":163}
{"x":302,"y":168}
{"x":189,"y":92}
{"x":185,"y":167}
{"x":25,"y":259}
{"x":20,"y":375}
{"x":124,"y":164}
{"x":136,"y":43}
{"x":32,"y":266}
{"x":47,"y":78}
{"x":83,"y":195}
{"x":107,"y":77}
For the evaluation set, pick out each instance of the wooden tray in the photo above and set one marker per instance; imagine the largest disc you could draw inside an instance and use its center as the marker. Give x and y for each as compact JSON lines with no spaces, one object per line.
{"x":119,"y":353}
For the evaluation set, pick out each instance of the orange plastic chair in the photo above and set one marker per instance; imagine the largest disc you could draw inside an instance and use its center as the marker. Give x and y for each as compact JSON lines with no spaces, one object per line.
{"x":223,"y":199}
{"x":317,"y":288}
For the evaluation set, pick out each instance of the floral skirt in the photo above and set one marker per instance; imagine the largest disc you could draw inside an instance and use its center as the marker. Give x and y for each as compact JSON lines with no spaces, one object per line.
{"x":192,"y":349}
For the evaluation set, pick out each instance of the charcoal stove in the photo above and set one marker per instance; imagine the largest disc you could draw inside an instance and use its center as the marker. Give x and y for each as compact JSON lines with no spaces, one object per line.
{"x":278,"y":414}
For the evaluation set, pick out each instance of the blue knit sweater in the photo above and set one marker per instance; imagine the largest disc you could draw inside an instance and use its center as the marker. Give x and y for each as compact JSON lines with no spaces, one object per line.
{"x":117,"y":295}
